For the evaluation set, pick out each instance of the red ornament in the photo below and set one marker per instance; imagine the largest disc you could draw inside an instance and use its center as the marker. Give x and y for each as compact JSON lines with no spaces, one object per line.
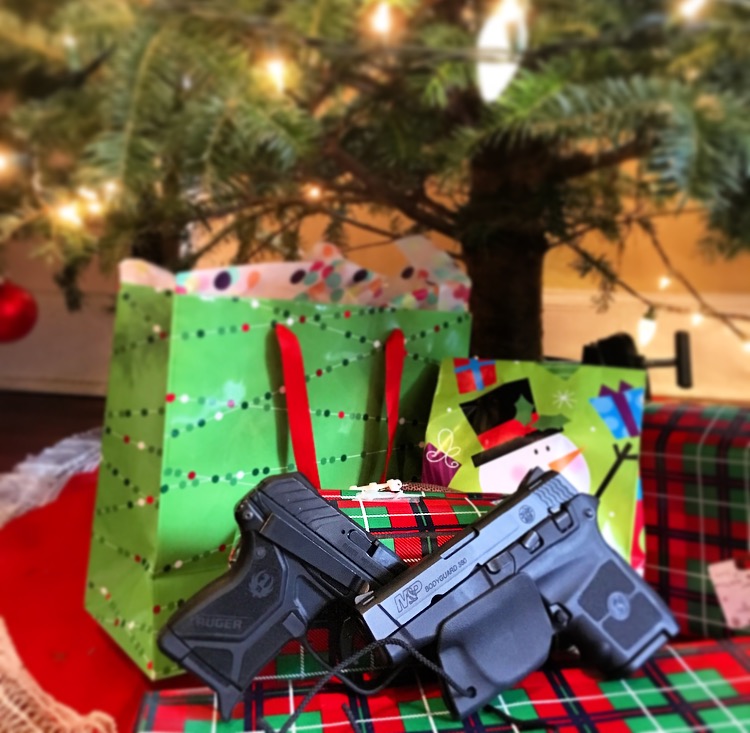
{"x":18,"y":312}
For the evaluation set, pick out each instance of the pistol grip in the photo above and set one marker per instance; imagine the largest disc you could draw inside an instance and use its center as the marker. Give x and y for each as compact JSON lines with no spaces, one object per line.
{"x":494,"y":642}
{"x":621,"y":622}
{"x":235,"y":625}
{"x":598,"y":601}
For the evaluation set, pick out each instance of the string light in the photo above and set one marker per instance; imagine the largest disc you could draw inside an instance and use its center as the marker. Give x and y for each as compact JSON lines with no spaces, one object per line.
{"x":111,"y":188}
{"x":504,"y":32}
{"x":5,"y":162}
{"x":69,"y":214}
{"x":696,"y":319}
{"x":313,"y":192}
{"x":664,"y":282}
{"x":95,"y":208}
{"x":88,"y":194}
{"x":647,"y":327}
{"x":381,"y":21}
{"x":69,"y":41}
{"x":277,"y":72}
{"x":690,"y":8}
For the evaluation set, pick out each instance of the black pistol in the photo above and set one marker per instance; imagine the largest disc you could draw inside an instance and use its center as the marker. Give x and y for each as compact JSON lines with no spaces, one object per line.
{"x":297,"y":553}
{"x":489,"y":602}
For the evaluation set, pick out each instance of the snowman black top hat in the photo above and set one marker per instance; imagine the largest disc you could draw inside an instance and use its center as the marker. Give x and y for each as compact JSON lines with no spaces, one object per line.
{"x":510,"y":446}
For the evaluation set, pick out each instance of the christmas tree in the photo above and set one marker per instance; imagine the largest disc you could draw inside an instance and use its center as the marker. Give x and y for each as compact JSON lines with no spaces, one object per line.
{"x":510,"y":127}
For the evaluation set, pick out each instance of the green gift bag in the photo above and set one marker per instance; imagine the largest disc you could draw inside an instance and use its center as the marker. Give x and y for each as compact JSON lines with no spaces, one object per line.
{"x":493,"y":421}
{"x":196,"y":416}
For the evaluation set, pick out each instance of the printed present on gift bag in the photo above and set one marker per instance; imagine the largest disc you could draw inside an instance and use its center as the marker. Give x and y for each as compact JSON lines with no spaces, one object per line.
{"x":442,"y":458}
{"x":621,"y":410}
{"x":582,"y":421}
{"x":473,"y":375}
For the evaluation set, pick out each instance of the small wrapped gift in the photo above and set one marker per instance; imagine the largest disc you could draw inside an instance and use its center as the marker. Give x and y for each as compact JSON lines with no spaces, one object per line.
{"x":473,"y":375}
{"x":621,"y":410}
{"x":440,"y":465}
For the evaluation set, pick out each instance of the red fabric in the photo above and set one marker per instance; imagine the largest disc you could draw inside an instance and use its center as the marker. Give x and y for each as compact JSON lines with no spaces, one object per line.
{"x":395,"y":354}
{"x":298,"y":405}
{"x":43,"y":563}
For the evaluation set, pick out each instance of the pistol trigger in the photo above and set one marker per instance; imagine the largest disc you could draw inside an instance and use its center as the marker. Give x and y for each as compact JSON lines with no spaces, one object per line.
{"x":559,"y":615}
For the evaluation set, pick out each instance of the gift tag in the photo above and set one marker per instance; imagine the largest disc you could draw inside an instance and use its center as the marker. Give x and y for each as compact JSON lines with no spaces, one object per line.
{"x":732,"y":585}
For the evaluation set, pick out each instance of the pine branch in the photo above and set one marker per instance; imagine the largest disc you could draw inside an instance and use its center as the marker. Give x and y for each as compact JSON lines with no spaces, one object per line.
{"x":581,"y":164}
{"x":380,"y":190}
{"x":595,"y":263}
{"x":28,"y":37}
{"x":705,"y":307}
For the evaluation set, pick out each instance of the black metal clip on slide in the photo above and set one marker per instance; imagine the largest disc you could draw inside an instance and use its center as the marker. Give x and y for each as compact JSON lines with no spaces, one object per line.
{"x":620,"y":350}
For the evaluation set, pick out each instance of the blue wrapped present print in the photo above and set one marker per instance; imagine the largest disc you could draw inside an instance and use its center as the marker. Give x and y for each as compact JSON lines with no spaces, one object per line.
{"x":621,"y":410}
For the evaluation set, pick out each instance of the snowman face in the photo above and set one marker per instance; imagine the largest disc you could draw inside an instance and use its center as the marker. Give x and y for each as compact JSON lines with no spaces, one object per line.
{"x":555,"y":452}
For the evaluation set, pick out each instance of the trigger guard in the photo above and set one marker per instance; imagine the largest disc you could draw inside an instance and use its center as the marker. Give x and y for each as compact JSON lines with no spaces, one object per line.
{"x":494,"y":642}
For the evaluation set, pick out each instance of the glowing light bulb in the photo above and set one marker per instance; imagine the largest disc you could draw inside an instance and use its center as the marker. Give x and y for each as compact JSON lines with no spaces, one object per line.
{"x":314,"y":192}
{"x":5,"y":162}
{"x":277,"y":72}
{"x":70,"y":215}
{"x":94,"y":208}
{"x":689,"y":9}
{"x":504,"y":33}
{"x":111,"y":189}
{"x":664,"y":282}
{"x":511,"y":11}
{"x":647,"y":328}
{"x":381,"y":21}
{"x":88,"y":194}
{"x":696,"y":319}
{"x":69,"y":41}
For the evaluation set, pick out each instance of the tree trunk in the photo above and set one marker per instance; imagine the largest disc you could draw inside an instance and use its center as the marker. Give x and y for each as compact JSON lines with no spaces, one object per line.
{"x":506,"y":296}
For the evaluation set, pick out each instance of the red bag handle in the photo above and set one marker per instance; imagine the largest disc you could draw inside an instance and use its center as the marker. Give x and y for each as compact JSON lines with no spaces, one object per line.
{"x":395,"y":355}
{"x":298,"y":404}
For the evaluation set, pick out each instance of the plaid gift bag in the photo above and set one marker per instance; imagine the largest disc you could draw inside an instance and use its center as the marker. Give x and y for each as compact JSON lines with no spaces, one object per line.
{"x":686,"y":687}
{"x":695,"y":466}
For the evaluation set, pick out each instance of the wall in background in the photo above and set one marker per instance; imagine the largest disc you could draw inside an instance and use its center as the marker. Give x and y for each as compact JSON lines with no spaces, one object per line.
{"x":69,"y":352}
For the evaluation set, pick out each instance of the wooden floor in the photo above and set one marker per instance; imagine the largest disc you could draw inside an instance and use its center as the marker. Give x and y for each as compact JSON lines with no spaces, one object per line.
{"x":30,"y":422}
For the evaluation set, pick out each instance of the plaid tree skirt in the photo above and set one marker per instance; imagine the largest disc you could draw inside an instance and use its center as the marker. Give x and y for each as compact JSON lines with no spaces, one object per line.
{"x":703,"y":686}
{"x":695,"y":466}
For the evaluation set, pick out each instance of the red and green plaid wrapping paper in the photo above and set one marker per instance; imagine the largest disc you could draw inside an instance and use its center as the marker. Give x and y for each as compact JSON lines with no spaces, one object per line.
{"x":702,"y":686}
{"x":695,"y":467}
{"x":413,"y":529}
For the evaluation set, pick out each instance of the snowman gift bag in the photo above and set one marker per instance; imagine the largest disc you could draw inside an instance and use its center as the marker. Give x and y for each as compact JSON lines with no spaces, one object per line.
{"x":493,"y":421}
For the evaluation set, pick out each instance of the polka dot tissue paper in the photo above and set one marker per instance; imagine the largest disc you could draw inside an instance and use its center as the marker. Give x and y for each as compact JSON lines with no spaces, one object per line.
{"x":196,"y":416}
